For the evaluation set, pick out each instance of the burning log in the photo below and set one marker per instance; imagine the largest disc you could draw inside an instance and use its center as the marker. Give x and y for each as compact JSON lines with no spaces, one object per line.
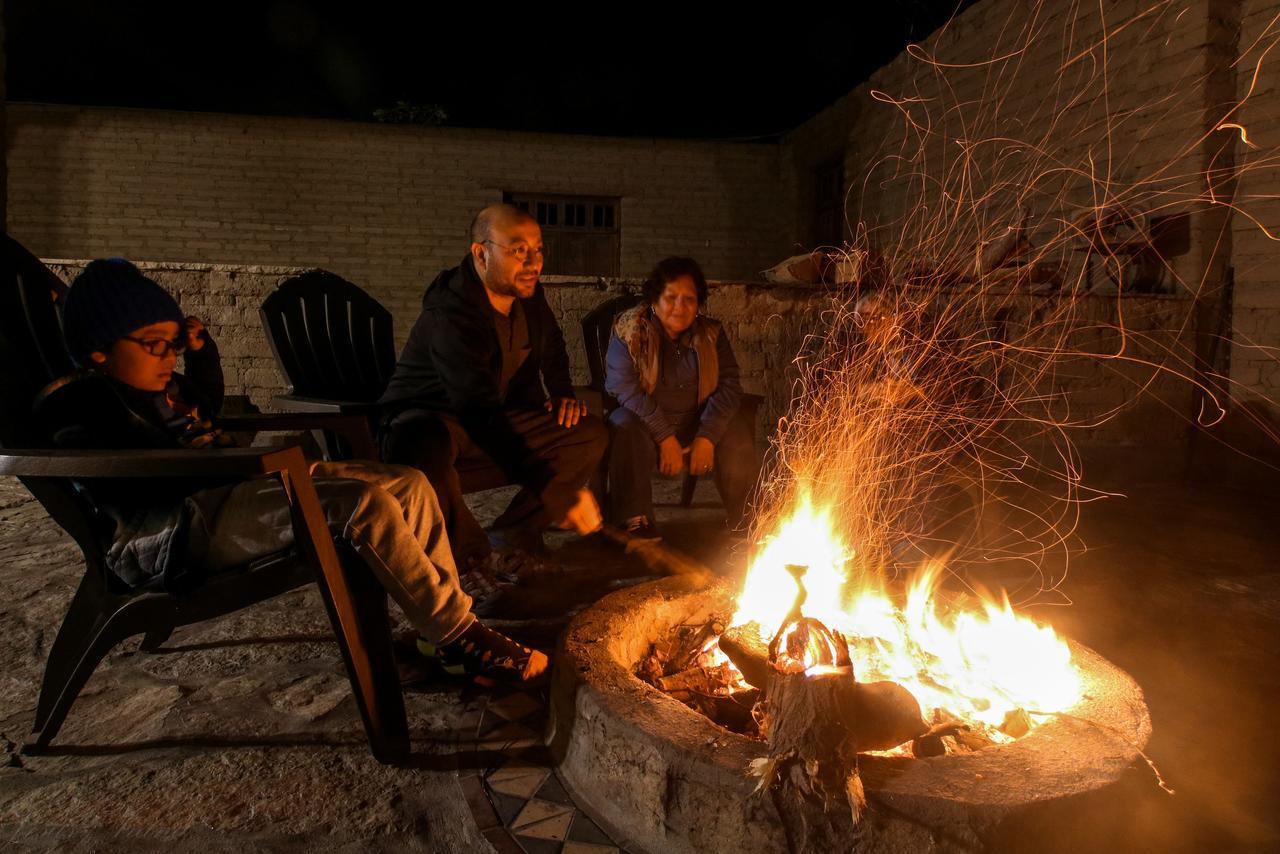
{"x":811,"y":771}
{"x":885,"y":715}
{"x":704,"y":680}
{"x":882,"y":715}
{"x":743,"y":646}
{"x":812,"y":767}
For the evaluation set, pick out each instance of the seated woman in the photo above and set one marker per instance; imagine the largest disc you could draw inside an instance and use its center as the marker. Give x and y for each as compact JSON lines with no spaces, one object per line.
{"x":674,"y":373}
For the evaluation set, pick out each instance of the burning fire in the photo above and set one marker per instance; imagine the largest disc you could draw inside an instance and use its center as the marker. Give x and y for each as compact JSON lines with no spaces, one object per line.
{"x":977,"y":665}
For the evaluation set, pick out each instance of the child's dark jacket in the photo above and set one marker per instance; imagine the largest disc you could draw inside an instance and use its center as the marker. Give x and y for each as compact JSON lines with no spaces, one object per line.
{"x":145,"y":523}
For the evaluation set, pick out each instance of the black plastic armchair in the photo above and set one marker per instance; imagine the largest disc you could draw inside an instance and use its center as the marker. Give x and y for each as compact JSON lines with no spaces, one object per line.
{"x":104,"y":612}
{"x":335,"y":346}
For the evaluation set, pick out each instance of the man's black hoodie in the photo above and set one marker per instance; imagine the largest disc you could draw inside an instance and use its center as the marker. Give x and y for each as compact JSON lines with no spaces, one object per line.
{"x":452,"y":364}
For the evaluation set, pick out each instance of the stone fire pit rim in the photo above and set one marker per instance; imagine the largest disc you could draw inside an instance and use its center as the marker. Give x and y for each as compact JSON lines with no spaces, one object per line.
{"x":601,"y":709}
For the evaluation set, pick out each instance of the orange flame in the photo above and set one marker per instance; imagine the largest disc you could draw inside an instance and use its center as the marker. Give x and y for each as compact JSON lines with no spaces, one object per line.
{"x":975,"y":664}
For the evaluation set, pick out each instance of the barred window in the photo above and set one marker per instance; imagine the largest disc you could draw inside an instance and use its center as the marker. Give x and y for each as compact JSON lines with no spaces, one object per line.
{"x":581,"y":233}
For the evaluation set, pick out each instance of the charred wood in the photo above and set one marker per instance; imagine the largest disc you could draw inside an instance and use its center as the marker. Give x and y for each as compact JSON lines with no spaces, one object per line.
{"x":811,"y":772}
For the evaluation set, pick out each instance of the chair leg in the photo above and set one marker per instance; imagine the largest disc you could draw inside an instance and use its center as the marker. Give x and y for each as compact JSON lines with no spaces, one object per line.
{"x":370,"y":661}
{"x":687,"y":489}
{"x":155,"y":637}
{"x":73,"y":659}
{"x":83,"y":620}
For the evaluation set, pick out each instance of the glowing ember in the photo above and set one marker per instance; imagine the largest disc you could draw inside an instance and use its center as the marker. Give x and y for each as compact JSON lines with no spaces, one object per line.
{"x":976,"y":665}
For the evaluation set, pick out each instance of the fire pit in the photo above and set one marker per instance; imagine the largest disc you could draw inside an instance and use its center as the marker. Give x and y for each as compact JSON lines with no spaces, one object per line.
{"x":663,"y":777}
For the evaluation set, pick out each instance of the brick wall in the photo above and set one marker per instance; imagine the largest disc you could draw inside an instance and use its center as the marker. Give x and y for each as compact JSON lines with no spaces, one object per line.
{"x":1255,"y":351}
{"x":385,"y":206}
{"x":1083,"y":103}
{"x":767,"y":326}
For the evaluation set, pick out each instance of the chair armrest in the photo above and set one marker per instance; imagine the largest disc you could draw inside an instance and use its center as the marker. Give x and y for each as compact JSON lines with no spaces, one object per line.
{"x":225,"y":462}
{"x":298,"y":403}
{"x":352,"y":427}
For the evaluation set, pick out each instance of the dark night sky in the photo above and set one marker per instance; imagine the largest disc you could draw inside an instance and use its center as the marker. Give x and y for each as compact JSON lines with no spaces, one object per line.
{"x":613,"y":70}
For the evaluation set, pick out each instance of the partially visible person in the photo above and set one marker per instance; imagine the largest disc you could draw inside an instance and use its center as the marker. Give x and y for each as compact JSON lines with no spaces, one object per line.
{"x":485,"y":374}
{"x":126,"y":332}
{"x":674,"y":373}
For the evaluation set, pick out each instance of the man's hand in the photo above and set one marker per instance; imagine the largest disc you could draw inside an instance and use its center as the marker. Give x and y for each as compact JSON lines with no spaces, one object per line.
{"x":702,"y":455}
{"x":670,"y":456}
{"x":566,"y":410}
{"x":195,"y":326}
{"x":584,"y":515}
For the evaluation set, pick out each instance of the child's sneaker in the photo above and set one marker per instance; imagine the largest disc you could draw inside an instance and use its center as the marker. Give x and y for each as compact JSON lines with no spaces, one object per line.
{"x":488,"y":657}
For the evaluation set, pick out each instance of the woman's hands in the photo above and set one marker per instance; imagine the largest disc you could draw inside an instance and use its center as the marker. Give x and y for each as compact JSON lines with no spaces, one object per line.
{"x":702,"y":456}
{"x":670,"y":456}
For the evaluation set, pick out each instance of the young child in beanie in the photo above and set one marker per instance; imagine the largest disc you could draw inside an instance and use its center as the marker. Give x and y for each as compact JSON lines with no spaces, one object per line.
{"x":125,"y":331}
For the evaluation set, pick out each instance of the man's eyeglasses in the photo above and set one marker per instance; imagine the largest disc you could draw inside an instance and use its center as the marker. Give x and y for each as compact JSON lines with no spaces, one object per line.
{"x":158,"y":346}
{"x":520,"y":251}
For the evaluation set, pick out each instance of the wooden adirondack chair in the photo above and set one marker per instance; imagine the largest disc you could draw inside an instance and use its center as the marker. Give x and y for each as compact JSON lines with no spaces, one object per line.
{"x":104,"y":612}
{"x":597,"y":328}
{"x":335,"y":346}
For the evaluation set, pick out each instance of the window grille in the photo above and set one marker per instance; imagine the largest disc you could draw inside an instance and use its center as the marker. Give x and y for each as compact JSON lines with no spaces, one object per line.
{"x":582,"y":234}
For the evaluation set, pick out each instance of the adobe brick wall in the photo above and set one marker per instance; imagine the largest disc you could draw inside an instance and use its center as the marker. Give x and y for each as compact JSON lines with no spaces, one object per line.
{"x":1155,"y":80}
{"x":385,"y":206}
{"x":1255,"y":351}
{"x":767,"y":326}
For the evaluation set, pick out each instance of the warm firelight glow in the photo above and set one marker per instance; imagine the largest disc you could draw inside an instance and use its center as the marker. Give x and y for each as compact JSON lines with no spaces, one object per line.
{"x":976,"y":665}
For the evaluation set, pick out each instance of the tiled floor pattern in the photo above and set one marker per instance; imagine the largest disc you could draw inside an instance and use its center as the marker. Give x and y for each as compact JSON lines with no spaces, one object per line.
{"x":518,"y":802}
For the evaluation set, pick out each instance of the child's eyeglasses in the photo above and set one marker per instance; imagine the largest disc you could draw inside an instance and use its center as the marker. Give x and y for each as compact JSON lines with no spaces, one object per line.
{"x":159,"y":346}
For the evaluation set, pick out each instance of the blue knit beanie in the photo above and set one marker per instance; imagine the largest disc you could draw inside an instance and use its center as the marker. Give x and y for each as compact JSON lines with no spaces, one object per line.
{"x":108,"y":300}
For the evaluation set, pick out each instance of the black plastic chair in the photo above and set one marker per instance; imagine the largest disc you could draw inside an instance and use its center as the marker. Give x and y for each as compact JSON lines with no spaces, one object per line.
{"x":335,"y":346}
{"x":597,"y":328}
{"x":104,"y":611}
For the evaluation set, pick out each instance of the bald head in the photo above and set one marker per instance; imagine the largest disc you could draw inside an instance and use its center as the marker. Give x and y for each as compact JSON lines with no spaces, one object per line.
{"x":501,"y":217}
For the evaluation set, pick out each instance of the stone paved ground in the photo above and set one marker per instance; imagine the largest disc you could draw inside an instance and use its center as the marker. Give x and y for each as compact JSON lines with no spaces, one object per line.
{"x":241,"y":733}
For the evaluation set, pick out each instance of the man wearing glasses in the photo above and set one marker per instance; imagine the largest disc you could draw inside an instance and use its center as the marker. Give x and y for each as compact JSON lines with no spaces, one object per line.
{"x":470,"y":383}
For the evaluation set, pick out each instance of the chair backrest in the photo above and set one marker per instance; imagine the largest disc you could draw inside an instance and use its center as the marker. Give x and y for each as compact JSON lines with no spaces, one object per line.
{"x":32,"y":352}
{"x":597,"y":326}
{"x":331,"y":339}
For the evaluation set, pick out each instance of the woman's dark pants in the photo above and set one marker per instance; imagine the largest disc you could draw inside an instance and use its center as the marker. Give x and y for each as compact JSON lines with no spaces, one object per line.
{"x":633,"y":459}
